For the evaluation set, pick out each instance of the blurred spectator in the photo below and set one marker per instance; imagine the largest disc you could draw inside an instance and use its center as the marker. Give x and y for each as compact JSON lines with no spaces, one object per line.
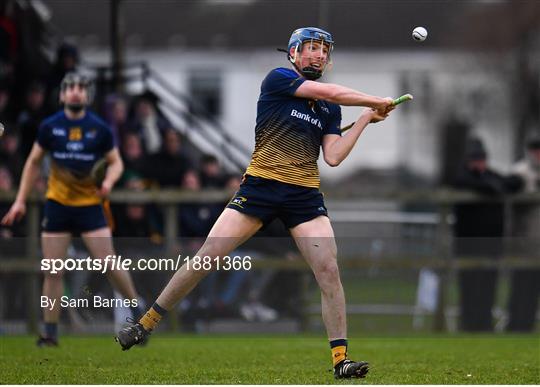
{"x":134,"y":221}
{"x":31,"y":116}
{"x":7,"y":185}
{"x":169,"y":165}
{"x":6,"y":112}
{"x":149,"y":124}
{"x":525,"y":283}
{"x":135,"y":162}
{"x":233,"y":183}
{"x":196,"y":219}
{"x":6,"y":181}
{"x":10,"y":157}
{"x":211,"y":174}
{"x":9,"y":41}
{"x":528,"y":169}
{"x":11,"y":246}
{"x":116,"y":115}
{"x":67,"y":59}
{"x":479,"y":228}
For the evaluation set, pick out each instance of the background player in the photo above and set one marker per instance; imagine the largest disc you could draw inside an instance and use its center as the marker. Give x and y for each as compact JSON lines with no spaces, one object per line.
{"x":295,"y":117}
{"x":75,"y":139}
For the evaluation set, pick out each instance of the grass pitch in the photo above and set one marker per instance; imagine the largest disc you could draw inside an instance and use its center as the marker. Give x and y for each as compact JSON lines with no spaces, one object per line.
{"x":210,"y":359}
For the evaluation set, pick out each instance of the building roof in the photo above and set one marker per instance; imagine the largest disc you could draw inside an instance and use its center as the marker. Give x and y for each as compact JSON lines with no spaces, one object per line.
{"x":245,"y":24}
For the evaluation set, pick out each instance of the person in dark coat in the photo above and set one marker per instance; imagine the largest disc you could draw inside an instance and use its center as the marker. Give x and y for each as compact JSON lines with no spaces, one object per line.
{"x":33,"y":113}
{"x":211,"y":174}
{"x":479,"y":229}
{"x":67,"y":60}
{"x":169,"y":165}
{"x":525,"y":282}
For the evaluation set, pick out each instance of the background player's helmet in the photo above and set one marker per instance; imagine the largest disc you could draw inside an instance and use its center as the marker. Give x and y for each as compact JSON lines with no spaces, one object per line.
{"x":75,"y":77}
{"x":309,"y":34}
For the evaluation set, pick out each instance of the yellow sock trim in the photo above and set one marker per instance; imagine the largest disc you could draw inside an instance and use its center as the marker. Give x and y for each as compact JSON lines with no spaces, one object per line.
{"x":150,"y":319}
{"x":339,"y":354}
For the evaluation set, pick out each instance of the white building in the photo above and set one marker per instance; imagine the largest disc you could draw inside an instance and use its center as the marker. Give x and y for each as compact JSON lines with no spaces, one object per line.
{"x":443,"y":83}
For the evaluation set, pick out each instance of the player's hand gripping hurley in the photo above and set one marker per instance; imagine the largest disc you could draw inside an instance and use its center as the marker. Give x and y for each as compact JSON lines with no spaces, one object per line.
{"x":397,"y":101}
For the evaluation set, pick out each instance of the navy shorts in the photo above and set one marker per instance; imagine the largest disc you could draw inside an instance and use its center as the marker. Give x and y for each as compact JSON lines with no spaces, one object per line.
{"x":269,"y":199}
{"x":75,"y":219}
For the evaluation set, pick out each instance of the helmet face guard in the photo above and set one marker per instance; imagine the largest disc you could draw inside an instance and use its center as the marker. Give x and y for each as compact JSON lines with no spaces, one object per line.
{"x":310,"y":35}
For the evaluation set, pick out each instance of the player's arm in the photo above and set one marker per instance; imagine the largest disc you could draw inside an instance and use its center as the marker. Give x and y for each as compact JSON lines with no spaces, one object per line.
{"x":115,"y":168}
{"x":336,"y":148}
{"x":29,"y":176}
{"x":341,"y":95}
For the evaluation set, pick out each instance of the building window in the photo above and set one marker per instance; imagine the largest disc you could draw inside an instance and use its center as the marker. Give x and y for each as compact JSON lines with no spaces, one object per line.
{"x":205,"y":92}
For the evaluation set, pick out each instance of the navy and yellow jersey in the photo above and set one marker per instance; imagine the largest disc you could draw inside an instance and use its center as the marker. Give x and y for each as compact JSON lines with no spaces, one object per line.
{"x":289,"y":131}
{"x":74,"y":147}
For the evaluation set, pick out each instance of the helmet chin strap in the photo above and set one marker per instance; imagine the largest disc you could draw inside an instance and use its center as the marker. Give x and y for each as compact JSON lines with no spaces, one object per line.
{"x":75,"y":107}
{"x":309,"y":72}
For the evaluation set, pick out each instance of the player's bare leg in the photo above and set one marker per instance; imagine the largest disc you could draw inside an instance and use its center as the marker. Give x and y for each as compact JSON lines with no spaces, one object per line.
{"x":54,"y":245}
{"x":230,"y":230}
{"x":315,"y":240}
{"x":99,"y":243}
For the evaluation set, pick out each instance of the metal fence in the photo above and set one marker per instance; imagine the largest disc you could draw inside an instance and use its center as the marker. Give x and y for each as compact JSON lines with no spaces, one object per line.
{"x":443,"y":263}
